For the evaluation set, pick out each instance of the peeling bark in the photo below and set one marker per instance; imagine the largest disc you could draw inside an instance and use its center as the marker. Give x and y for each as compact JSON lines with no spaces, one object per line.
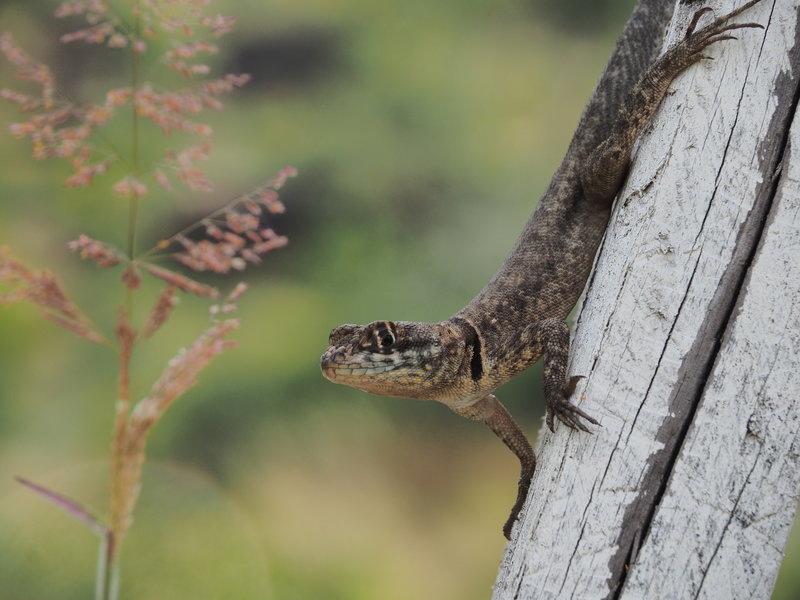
{"x":690,"y":337}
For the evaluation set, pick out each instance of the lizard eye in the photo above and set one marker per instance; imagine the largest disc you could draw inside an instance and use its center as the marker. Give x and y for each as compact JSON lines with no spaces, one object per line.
{"x":382,"y":336}
{"x":386,"y":338}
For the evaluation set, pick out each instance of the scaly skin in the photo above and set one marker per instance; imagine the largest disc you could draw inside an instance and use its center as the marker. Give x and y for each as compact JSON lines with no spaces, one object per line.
{"x":519,"y":317}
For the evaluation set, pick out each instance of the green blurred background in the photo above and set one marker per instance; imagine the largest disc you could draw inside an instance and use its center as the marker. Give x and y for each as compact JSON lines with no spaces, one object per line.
{"x":424,"y":131}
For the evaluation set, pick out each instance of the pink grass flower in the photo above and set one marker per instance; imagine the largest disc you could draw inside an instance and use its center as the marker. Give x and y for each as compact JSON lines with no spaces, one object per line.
{"x":181,"y":281}
{"x":186,"y":171}
{"x":181,"y":375}
{"x":97,"y":34}
{"x":280,"y":179}
{"x":218,"y":24}
{"x":229,"y":306}
{"x":189,"y":50}
{"x":130,"y":187}
{"x":97,"y":115}
{"x":166,"y":301}
{"x":68,"y":9}
{"x":85,"y":174}
{"x":20,"y":130}
{"x":42,"y":289}
{"x":61,"y":131}
{"x":233,"y":236}
{"x":131,"y":277}
{"x":28,"y":69}
{"x":25,"y":102}
{"x":270,"y":199}
{"x":117,"y":40}
{"x":118,"y":97}
{"x":238,"y":291}
{"x":162,"y":180}
{"x":102,"y":254}
{"x":93,"y":9}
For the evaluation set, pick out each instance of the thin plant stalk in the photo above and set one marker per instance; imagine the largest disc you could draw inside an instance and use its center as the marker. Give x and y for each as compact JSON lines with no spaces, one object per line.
{"x":119,"y":493}
{"x":107,"y":582}
{"x":121,"y":498}
{"x":133,"y":198}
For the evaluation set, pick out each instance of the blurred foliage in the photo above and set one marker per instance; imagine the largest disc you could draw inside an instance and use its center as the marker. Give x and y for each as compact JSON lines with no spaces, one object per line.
{"x":582,"y":15}
{"x":424,"y":132}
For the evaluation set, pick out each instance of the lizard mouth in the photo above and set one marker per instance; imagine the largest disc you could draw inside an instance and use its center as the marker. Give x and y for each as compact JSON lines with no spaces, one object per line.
{"x":341,"y":372}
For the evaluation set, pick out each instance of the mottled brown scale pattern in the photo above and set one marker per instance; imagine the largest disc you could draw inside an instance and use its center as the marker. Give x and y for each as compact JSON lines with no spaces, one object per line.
{"x":519,"y":317}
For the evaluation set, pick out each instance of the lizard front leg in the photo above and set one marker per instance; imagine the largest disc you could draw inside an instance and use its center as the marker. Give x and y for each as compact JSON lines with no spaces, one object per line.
{"x":551,"y":338}
{"x":607,"y":165}
{"x":490,"y":410}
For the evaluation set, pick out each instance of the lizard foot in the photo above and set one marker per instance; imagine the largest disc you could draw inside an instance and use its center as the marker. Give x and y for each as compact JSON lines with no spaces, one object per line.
{"x":566,"y":412}
{"x":695,"y":42}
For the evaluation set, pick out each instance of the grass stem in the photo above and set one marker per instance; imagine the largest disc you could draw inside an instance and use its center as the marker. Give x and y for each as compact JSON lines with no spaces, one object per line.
{"x":107,"y":582}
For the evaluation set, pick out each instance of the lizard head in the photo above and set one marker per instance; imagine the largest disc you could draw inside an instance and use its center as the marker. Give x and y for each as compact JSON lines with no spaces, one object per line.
{"x":402,"y":359}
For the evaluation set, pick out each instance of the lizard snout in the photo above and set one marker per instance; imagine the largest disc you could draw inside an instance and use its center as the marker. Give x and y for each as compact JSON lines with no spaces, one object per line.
{"x":330,"y":358}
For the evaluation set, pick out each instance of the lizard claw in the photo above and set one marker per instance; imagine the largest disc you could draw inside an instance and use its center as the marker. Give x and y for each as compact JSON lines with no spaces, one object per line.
{"x":695,"y":41}
{"x":566,"y":412}
{"x":570,"y":415}
{"x":573,"y":381}
{"x":695,"y":18}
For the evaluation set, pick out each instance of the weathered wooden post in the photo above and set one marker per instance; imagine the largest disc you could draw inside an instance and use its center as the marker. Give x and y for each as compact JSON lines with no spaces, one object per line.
{"x":690,"y":340}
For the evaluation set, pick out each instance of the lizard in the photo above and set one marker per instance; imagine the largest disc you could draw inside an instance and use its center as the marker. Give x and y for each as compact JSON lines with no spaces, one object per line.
{"x":520,"y":315}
